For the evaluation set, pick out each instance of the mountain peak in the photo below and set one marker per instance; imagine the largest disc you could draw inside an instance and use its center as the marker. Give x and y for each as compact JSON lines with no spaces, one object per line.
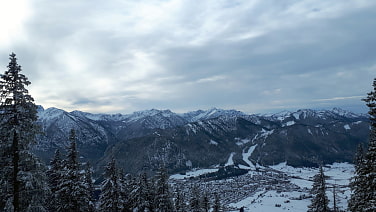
{"x":211,"y":113}
{"x":49,"y":113}
{"x":306,"y":113}
{"x":344,"y":113}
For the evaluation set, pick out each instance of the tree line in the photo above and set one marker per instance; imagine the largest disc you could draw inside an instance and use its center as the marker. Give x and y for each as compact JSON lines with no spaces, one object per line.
{"x":72,"y":189}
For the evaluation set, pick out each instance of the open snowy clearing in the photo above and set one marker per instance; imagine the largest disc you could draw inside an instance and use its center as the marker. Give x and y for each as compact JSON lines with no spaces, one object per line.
{"x":338,"y":174}
{"x":266,"y":201}
{"x":193,"y":173}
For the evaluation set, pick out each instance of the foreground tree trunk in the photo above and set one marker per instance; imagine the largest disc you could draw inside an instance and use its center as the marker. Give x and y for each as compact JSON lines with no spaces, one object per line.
{"x":15,"y":182}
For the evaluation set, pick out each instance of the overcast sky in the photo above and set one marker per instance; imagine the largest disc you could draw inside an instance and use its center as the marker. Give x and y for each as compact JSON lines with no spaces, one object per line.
{"x":121,"y":56}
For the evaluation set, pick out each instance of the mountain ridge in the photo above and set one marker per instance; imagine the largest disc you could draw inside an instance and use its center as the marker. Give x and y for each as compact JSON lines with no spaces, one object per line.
{"x":149,"y":138}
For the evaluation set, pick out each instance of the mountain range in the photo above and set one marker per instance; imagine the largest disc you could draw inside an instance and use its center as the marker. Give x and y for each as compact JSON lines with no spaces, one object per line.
{"x":146,"y":140}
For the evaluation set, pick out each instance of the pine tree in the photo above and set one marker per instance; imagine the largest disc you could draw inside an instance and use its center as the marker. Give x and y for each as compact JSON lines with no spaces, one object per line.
{"x":72,"y":191}
{"x":54,"y":172}
{"x":335,"y":198}
{"x":143,"y":194}
{"x":363,"y":187}
{"x":180,"y":205}
{"x":125,"y":190}
{"x":194,"y":202}
{"x":88,"y":180}
{"x":111,"y":196}
{"x":163,"y":200}
{"x":34,"y":188}
{"x":21,"y":173}
{"x":54,"y":176}
{"x":358,"y":182}
{"x":217,"y":207}
{"x":205,"y":203}
{"x":320,"y":200}
{"x":131,"y":187}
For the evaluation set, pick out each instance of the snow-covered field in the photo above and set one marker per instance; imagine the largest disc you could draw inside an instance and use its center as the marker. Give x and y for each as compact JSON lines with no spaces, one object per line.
{"x":193,"y":173}
{"x":264,"y":200}
{"x":267,"y":201}
{"x":264,"y":195}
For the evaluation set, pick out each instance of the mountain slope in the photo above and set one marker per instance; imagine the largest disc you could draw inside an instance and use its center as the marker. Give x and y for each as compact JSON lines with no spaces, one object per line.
{"x":148,"y":139}
{"x":302,"y":138}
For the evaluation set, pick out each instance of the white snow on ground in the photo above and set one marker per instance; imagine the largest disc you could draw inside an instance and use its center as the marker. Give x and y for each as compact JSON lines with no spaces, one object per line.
{"x":265,"y":201}
{"x":213,"y":142}
{"x":230,"y":161}
{"x":192,"y":128}
{"x":310,"y":132}
{"x":296,"y":116}
{"x":289,"y":123}
{"x":193,"y":173}
{"x":241,"y":142}
{"x":264,"y":134}
{"x":248,"y":154}
{"x":347,"y":127}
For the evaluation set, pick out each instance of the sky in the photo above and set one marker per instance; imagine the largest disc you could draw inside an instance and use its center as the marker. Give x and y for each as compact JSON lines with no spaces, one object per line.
{"x":256,"y":56}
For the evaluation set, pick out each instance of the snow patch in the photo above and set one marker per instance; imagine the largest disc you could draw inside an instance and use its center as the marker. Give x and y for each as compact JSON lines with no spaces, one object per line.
{"x":214,"y":110}
{"x":188,"y":163}
{"x":309,"y":131}
{"x":340,"y":173}
{"x":213,"y":142}
{"x":230,"y":161}
{"x":289,"y":123}
{"x":241,"y":142}
{"x":266,"y":201}
{"x":282,"y":115}
{"x":347,"y":127}
{"x":192,"y":128}
{"x":266,"y":133}
{"x":248,"y":154}
{"x":193,"y":173}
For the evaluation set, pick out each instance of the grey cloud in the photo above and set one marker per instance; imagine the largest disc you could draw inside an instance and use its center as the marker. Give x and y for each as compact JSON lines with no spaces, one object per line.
{"x":322,"y":48}
{"x":199,"y":55}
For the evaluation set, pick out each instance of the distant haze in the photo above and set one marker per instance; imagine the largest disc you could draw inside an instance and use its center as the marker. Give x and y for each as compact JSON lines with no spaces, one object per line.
{"x":254,"y":56}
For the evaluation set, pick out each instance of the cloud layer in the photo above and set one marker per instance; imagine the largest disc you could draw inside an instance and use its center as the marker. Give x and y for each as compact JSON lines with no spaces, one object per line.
{"x":255,"y":56}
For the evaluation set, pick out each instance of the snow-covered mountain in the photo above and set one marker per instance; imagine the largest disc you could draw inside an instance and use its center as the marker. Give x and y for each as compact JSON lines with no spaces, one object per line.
{"x":314,"y":114}
{"x":146,"y":139}
{"x":201,"y":115}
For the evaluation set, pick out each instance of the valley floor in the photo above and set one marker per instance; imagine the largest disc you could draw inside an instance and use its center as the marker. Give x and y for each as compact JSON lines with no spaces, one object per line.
{"x":275,"y":188}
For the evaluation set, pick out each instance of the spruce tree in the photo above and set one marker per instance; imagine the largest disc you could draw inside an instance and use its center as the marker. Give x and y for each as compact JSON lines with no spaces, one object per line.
{"x":195,"y":200}
{"x":111,"y":195}
{"x":131,"y":187}
{"x":125,"y":190}
{"x":217,"y":207}
{"x":143,"y":194}
{"x":358,"y":182}
{"x":163,"y":200}
{"x":54,"y":176}
{"x":88,"y":181}
{"x":22,"y":176}
{"x":54,"y":172}
{"x":180,"y":205}
{"x":363,"y":187}
{"x":72,"y":191}
{"x":320,"y":200}
{"x":205,"y":202}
